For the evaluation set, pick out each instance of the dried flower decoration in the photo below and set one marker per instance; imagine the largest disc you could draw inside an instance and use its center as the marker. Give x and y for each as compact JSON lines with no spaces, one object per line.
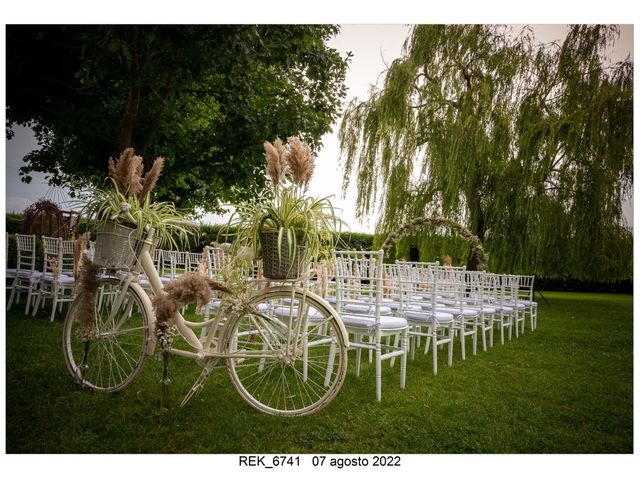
{"x":127,"y":171}
{"x":300,"y":162}
{"x":151,"y":178}
{"x":55,"y":268}
{"x":275,"y":162}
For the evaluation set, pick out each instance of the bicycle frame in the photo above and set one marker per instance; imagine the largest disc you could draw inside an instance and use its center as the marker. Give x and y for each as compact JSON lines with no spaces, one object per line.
{"x":208,"y":347}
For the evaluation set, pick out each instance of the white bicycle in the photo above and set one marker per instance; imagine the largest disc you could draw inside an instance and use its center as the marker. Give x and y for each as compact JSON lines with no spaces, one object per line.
{"x":285,"y":348}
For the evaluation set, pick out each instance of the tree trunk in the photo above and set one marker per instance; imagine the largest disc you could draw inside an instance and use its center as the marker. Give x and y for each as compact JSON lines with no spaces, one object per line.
{"x":128,"y":120}
{"x":477,"y":228}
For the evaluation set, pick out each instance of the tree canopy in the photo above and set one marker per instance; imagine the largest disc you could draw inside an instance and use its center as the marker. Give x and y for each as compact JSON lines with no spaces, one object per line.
{"x":203,"y":97}
{"x":528,"y":144}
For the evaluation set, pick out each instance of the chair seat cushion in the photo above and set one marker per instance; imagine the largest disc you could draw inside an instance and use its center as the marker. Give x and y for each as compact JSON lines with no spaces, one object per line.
{"x":62,"y":279}
{"x":503,"y":308}
{"x":466,"y":312}
{"x":364,"y":308}
{"x":369,"y":323}
{"x":284,"y":312}
{"x":528,"y":303}
{"x":512,"y":305}
{"x":28,"y":274}
{"x":392,"y":304}
{"x":428,"y":317}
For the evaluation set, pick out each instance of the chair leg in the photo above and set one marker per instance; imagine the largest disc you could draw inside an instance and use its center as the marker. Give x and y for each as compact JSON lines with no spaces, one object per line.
{"x":484,"y":333}
{"x":435,"y":350}
{"x":396,"y":343}
{"x":450,"y":352}
{"x":36,"y":303}
{"x":462,"y":339}
{"x":13,"y":292}
{"x":378,"y":369}
{"x":332,"y":356}
{"x":511,"y":327}
{"x":29,"y":298}
{"x":474,"y":337}
{"x":403,"y":359}
{"x":53,"y":307}
{"x":491,"y":335}
{"x":427,"y":343}
{"x":358,"y":339}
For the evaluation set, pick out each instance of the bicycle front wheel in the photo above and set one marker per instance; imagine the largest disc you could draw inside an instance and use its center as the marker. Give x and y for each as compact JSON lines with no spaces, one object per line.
{"x":106,"y":351}
{"x":288,"y":354}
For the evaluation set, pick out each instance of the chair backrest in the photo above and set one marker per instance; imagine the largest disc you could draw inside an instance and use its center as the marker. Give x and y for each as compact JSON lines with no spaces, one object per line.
{"x":217,"y":258}
{"x":181,"y":264}
{"x":359,"y":278}
{"x":525,"y":287}
{"x":168,"y":263}
{"x":194,"y":261}
{"x":157,"y":259}
{"x":418,"y":284}
{"x":390,"y":281}
{"x":52,"y":257}
{"x":67,"y":248}
{"x":26,"y":252}
{"x":474,"y":287}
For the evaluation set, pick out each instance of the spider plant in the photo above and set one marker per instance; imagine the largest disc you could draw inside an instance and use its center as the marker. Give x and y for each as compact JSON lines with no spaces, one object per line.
{"x":300,"y":220}
{"x":129,"y":203}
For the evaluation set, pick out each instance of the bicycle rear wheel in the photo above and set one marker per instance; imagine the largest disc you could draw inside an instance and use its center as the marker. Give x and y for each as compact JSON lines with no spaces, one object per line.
{"x":108,"y":351}
{"x":289,"y":354}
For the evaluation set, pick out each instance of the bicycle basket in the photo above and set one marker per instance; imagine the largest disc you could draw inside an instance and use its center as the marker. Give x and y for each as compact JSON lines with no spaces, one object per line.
{"x":116,"y":247}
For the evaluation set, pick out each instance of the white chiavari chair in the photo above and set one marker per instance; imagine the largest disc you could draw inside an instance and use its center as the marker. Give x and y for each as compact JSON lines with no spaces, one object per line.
{"x":26,"y":277}
{"x":417,"y":303}
{"x":359,"y":300}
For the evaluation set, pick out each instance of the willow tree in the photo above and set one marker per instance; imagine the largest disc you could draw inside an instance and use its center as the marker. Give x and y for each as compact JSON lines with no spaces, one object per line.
{"x":528,"y":145}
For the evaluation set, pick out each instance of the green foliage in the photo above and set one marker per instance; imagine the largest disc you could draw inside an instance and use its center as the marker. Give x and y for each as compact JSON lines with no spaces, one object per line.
{"x":172,"y":227}
{"x":299,"y":220}
{"x":204,"y":97}
{"x":14,"y":221}
{"x":566,"y":388}
{"x":528,"y":145}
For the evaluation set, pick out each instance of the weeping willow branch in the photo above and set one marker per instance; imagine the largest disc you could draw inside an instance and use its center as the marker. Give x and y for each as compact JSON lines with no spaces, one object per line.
{"x":488,"y":121}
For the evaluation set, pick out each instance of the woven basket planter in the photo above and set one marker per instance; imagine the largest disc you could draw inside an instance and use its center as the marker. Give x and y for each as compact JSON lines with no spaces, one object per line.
{"x":116,"y":247}
{"x":280,"y":264}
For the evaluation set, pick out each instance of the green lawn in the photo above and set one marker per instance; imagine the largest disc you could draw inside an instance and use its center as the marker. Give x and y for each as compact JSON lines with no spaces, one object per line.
{"x":565,"y":388}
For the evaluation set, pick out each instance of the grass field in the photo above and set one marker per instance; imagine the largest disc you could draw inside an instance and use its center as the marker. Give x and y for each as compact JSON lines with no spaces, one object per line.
{"x":567,"y":387}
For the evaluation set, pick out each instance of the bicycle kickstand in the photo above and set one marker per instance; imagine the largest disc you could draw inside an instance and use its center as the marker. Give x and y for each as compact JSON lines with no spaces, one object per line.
{"x":198,"y":385}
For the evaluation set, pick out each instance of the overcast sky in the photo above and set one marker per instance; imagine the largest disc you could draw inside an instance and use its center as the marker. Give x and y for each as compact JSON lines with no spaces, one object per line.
{"x":373,"y":47}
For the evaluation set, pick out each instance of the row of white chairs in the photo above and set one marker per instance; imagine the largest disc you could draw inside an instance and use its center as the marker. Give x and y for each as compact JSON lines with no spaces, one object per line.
{"x":54,"y":280}
{"x":406,"y":302}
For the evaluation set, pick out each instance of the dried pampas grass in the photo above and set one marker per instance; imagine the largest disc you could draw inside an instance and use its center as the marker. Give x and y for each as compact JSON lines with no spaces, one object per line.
{"x":127,"y":172}
{"x":300,"y":161}
{"x":275,"y":162}
{"x":86,"y":289}
{"x":151,"y":178}
{"x":190,"y":287}
{"x":79,"y":247}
